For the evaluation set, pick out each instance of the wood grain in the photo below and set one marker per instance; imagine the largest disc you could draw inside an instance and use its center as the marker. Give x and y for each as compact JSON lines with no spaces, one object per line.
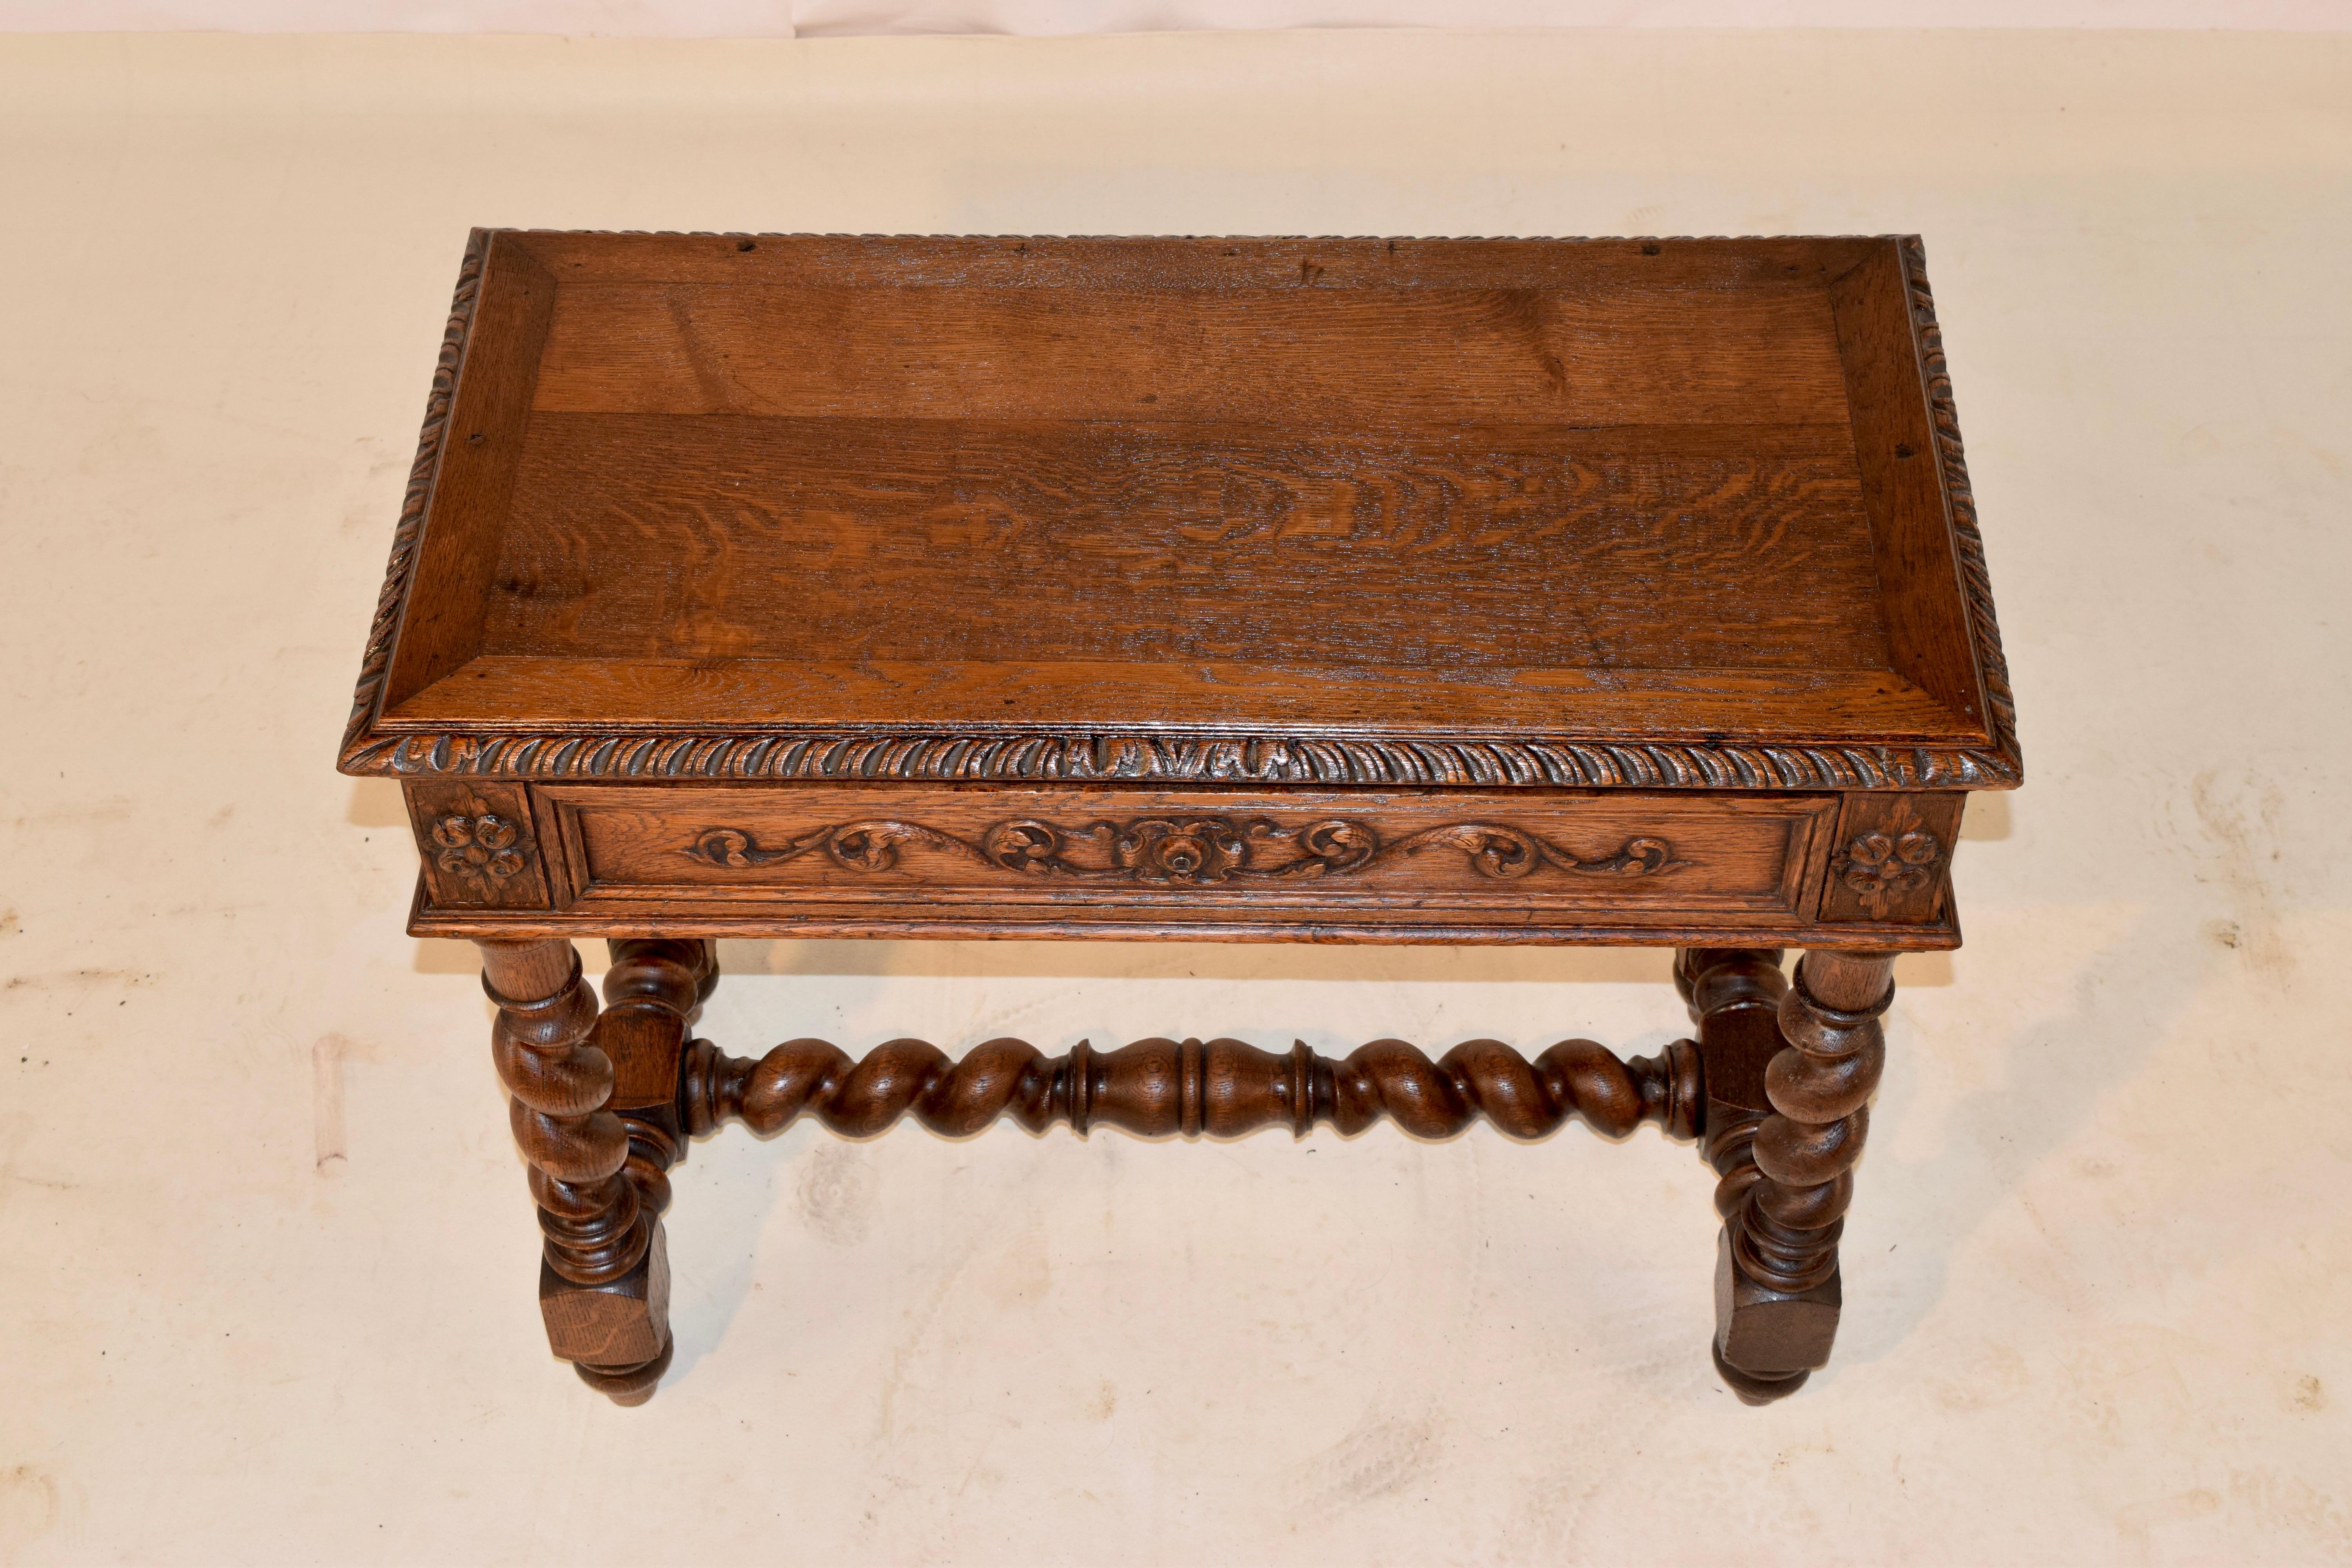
{"x":1376,"y":711}
{"x":475,"y":460}
{"x":1924,"y":611}
{"x":1287,"y":357}
{"x":1618,"y":512}
{"x":560,"y":1084}
{"x":417,"y":498}
{"x":1128,"y":263}
{"x":1448,"y":552}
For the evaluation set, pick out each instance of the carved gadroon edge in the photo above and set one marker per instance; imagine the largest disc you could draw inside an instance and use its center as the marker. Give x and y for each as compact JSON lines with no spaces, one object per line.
{"x":1960,"y":507}
{"x":1183,"y":851}
{"x":410,"y":530}
{"x":1149,"y":758}
{"x":1223,"y":1088}
{"x":1011,"y":754}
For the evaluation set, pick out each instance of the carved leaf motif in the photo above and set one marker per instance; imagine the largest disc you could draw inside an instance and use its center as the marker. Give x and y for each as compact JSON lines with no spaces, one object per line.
{"x":1186,"y":851}
{"x":1506,"y":852}
{"x":1562,"y":761}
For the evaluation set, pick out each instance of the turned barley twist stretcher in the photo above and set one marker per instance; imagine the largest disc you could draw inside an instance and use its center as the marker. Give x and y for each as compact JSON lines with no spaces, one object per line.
{"x":1333,"y":590}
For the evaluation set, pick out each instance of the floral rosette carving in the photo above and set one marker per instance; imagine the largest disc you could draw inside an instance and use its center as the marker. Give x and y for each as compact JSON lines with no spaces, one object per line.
{"x":1890,"y":864}
{"x":478,"y":844}
{"x":1198,"y":849}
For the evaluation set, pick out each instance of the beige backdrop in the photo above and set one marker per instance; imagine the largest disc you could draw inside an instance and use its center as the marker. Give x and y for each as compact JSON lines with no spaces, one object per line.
{"x":266,"y":1257}
{"x":850,"y":18}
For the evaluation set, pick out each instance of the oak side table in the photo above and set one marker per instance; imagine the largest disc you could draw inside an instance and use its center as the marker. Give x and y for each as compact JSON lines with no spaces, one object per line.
{"x":1324,"y":590}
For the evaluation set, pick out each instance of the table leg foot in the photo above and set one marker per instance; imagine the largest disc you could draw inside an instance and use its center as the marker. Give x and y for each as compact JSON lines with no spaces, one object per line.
{"x":1754,"y":1388}
{"x":627,"y":1385}
{"x":614,"y":1332}
{"x":1767,"y":1342}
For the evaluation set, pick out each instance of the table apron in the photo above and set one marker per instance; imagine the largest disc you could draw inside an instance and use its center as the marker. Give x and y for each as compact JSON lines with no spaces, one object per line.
{"x":1240,"y":864}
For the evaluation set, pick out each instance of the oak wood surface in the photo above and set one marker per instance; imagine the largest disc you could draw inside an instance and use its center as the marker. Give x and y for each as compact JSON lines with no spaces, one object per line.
{"x":1420,"y":551}
{"x":1441,"y":591}
{"x":1290,"y":357}
{"x":473,"y":484}
{"x":525,"y":690}
{"x":1150,"y":262}
{"x":561,"y":1085}
{"x":1628,"y":513}
{"x":596,"y":1111}
{"x":1925,"y":615}
{"x":1891,"y":858}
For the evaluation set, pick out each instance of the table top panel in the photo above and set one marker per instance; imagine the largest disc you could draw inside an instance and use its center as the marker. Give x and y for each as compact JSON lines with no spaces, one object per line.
{"x":1585,"y":512}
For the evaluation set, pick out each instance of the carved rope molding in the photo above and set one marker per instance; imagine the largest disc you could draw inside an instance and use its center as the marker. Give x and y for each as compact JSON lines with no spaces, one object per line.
{"x":1185,"y":851}
{"x":1535,"y":763}
{"x":410,"y":530}
{"x":1539,"y":762}
{"x":1960,"y":509}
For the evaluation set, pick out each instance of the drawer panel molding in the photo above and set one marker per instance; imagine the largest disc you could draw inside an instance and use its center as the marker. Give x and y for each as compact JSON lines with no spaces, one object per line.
{"x":1254,"y":861}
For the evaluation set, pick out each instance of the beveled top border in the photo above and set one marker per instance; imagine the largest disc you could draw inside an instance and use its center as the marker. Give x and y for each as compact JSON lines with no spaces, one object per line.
{"x":1013,"y":753}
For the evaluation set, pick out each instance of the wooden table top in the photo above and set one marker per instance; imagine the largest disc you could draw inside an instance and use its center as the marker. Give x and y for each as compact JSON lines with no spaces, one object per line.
{"x":1623,"y":513}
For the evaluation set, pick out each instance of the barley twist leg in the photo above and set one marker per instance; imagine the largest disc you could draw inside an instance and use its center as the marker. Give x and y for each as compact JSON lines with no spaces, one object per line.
{"x":1786,"y":1163}
{"x":603,"y":1278}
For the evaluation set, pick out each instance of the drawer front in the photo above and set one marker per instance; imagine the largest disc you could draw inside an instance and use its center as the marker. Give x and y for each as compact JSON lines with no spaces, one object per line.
{"x":1440,"y":864}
